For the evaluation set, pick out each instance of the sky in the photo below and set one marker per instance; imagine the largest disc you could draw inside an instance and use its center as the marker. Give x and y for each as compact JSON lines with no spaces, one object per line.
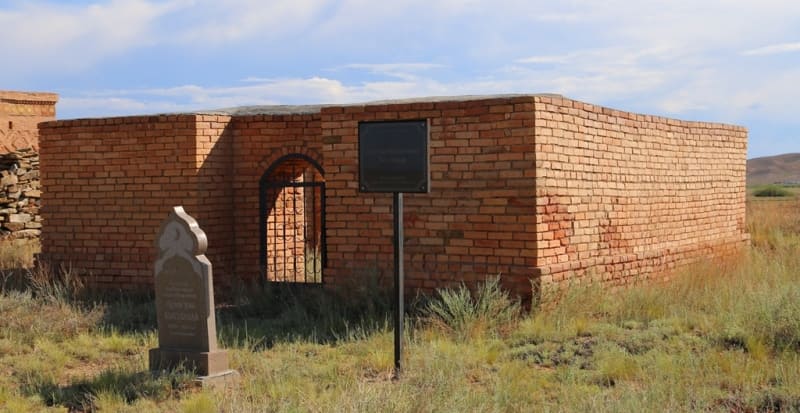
{"x":730,"y":61}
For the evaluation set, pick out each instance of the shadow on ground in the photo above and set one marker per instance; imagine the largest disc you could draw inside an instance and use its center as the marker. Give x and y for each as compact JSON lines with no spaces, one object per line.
{"x":80,"y":396}
{"x":259,"y":315}
{"x":254,"y":315}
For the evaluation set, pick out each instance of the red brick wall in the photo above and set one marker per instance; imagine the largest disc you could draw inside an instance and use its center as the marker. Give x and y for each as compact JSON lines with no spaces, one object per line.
{"x":107,"y":186}
{"x":479,"y":217}
{"x":260,"y":141}
{"x":213,"y":204}
{"x":621,"y":195}
{"x":20,"y":112}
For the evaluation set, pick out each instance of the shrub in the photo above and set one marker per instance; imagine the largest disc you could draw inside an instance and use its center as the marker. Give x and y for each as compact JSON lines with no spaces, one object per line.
{"x":772,"y":191}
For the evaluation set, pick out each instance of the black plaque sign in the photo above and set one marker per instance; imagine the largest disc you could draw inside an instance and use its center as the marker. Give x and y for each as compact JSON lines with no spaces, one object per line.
{"x":393,"y":156}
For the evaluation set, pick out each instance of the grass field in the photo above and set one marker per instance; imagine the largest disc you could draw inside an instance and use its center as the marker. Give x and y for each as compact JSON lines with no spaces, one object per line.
{"x":719,"y":337}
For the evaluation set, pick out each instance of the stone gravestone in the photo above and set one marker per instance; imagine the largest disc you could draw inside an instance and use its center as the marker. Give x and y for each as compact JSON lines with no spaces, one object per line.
{"x":187,"y":333}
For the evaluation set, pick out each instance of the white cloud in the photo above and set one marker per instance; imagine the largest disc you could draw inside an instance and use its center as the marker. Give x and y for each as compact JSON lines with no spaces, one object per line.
{"x":112,"y":106}
{"x":772,"y":97}
{"x":313,"y":90}
{"x":405,"y":71}
{"x":560,"y":17}
{"x":773,"y":49}
{"x":695,"y":25}
{"x":189,"y":98}
{"x":546,"y":59}
{"x":601,"y":74}
{"x":214,"y":22}
{"x":390,"y":68}
{"x":53,"y":37}
{"x":677,"y":57}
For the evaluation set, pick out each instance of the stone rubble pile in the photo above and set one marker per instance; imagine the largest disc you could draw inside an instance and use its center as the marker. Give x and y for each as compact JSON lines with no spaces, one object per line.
{"x":20,"y":194}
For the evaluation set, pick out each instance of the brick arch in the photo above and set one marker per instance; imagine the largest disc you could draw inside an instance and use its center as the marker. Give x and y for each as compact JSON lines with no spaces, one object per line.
{"x":297,"y":235}
{"x":287,"y":150}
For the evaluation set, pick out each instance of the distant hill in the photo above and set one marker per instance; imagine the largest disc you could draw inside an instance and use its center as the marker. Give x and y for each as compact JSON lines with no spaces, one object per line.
{"x":774,"y":169}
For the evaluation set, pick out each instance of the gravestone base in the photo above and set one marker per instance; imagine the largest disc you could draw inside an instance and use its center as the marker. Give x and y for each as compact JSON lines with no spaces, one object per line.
{"x":205,"y":364}
{"x":218,"y":380}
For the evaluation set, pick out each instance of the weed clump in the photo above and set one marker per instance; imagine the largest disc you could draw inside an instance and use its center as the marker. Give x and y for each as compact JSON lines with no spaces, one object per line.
{"x":465,"y":314}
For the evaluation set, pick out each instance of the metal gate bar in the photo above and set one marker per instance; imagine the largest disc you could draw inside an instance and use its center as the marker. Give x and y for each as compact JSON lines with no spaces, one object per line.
{"x":299,"y":237}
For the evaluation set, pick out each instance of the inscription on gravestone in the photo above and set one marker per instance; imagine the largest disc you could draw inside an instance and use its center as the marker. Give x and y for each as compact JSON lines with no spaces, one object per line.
{"x":187,"y":332}
{"x":181,"y":307}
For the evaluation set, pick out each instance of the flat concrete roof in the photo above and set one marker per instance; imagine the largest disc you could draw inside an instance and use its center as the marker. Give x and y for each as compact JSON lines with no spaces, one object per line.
{"x":262,"y":110}
{"x":308,"y":109}
{"x":295,"y":109}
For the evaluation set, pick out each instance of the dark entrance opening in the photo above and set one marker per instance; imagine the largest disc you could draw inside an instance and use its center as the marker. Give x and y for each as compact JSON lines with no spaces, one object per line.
{"x":292,"y":193}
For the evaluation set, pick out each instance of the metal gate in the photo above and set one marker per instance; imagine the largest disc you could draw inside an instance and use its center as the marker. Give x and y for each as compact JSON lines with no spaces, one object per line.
{"x":292,"y":193}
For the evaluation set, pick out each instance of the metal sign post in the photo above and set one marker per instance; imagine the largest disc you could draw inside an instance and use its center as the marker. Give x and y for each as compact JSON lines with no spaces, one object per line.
{"x":393,"y":157}
{"x":398,"y":281}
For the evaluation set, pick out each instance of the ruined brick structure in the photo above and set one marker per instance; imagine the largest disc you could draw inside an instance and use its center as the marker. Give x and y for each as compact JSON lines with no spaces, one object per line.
{"x":20,"y":112}
{"x":534,"y":188}
{"x":20,"y":195}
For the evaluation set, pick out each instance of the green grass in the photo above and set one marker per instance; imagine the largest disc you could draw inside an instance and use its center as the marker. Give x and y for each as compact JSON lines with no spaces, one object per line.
{"x":718,"y":337}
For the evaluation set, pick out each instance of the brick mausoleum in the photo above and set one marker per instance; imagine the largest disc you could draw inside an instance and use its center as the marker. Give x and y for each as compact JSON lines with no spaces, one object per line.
{"x":535,"y":188}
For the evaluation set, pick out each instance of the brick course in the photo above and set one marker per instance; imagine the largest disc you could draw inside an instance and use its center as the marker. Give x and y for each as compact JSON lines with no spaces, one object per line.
{"x":531,"y":187}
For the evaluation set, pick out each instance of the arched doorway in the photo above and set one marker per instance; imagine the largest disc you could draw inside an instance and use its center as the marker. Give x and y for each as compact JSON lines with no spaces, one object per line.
{"x":292,"y":193}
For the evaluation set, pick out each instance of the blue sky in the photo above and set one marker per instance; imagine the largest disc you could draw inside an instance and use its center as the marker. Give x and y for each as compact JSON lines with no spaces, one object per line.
{"x":732,"y":61}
